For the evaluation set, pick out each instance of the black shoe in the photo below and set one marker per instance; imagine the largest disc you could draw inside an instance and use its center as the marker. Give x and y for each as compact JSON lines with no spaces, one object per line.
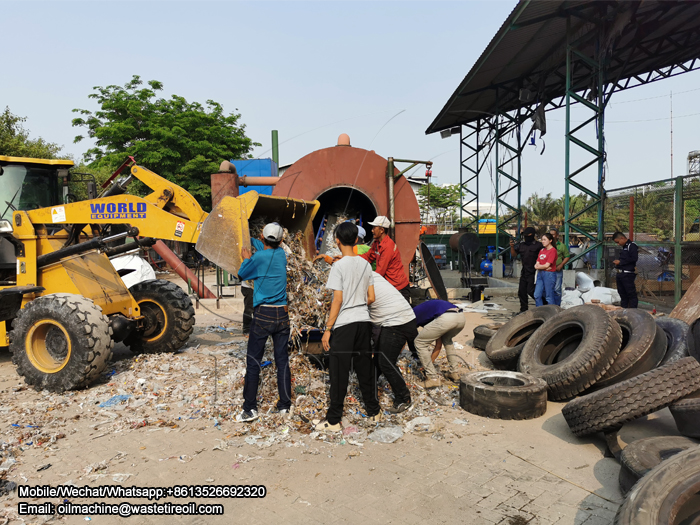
{"x":401,"y":407}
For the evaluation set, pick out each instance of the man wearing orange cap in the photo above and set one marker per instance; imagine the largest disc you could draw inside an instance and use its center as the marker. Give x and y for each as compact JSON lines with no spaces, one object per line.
{"x":387,"y":256}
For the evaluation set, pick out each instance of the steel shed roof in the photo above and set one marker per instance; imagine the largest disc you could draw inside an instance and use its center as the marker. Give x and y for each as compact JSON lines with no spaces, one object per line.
{"x":640,"y":38}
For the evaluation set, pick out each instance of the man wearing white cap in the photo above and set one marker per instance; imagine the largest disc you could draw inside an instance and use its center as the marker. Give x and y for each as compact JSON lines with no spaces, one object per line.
{"x":267,"y":268}
{"x":387,"y":256}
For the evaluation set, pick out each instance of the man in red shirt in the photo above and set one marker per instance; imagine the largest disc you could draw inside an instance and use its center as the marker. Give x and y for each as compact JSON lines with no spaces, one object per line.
{"x":385,"y":252}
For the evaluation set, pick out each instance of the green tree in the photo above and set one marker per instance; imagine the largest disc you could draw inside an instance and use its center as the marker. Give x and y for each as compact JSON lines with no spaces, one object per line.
{"x":15,"y":141}
{"x":182,"y":141}
{"x":439,"y":203}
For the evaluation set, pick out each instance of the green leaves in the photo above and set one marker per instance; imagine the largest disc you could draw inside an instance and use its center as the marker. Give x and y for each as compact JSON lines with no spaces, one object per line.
{"x":182,"y":141}
{"x":15,"y":141}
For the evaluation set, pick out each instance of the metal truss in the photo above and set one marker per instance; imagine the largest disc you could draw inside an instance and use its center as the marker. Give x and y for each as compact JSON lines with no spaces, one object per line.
{"x":508,"y":169}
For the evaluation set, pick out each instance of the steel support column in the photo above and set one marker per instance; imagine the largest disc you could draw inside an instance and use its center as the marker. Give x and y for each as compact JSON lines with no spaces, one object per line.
{"x":594,"y":153}
{"x":508,"y":170}
{"x":469,"y":169}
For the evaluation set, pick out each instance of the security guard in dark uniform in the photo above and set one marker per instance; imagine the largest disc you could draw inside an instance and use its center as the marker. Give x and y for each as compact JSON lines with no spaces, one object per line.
{"x":625,"y":266}
{"x":528,"y":251}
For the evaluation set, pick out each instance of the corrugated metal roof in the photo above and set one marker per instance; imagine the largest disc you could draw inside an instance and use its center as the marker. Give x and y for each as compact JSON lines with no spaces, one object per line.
{"x":529,"y":51}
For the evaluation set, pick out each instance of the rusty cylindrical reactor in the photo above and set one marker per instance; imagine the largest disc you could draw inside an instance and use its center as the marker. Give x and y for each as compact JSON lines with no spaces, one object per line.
{"x":353,"y":182}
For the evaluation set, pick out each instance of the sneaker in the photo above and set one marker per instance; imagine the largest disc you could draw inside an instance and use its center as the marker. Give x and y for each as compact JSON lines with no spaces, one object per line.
{"x":401,"y":407}
{"x":247,"y":416}
{"x":286,"y":412}
{"x":453,"y":376}
{"x":376,"y":418}
{"x":430,"y":382}
{"x":325,"y":426}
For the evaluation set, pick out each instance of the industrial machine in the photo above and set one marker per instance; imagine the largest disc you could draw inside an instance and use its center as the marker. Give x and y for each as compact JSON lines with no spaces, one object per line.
{"x":56,"y":254}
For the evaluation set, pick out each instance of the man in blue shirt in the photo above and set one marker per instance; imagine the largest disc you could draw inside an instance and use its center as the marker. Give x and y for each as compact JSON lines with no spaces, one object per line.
{"x":625,"y":266}
{"x":441,"y":322}
{"x":267,"y":268}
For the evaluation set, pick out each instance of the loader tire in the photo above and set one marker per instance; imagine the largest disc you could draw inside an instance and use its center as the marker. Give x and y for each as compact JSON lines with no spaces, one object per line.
{"x":504,"y":348}
{"x":60,"y":342}
{"x":572,"y":350}
{"x":503,"y":395}
{"x":483,"y":334}
{"x":678,"y":337}
{"x":169,"y":317}
{"x":643,"y":347}
{"x":667,"y":495}
{"x":686,"y":414}
{"x":640,"y":456}
{"x":608,"y":409}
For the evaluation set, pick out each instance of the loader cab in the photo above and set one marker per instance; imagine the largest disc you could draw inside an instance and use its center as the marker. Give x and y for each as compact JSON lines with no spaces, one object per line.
{"x":26,"y":184}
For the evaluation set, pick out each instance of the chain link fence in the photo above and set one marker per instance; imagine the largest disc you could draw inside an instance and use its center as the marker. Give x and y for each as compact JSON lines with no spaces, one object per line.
{"x":663,"y":219}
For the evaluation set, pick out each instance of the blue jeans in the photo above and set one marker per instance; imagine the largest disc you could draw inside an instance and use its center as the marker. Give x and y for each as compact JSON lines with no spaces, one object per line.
{"x":545,"y":286}
{"x":268,"y":321}
{"x":557,"y":287}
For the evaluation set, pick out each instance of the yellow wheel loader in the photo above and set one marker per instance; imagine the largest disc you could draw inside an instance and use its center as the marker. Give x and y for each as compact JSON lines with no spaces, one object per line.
{"x":55,"y":255}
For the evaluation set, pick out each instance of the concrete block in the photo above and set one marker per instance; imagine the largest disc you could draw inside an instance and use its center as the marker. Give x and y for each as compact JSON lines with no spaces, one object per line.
{"x":517,"y":268}
{"x":498,"y":269}
{"x":501,"y":291}
{"x":569,"y":279}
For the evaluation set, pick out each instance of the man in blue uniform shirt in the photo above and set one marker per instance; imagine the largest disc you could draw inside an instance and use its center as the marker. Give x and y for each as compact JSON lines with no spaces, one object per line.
{"x":625,"y":275}
{"x":267,"y":268}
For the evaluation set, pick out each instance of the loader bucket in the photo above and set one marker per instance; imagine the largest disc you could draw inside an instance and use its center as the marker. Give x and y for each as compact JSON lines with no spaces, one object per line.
{"x":226,"y":230}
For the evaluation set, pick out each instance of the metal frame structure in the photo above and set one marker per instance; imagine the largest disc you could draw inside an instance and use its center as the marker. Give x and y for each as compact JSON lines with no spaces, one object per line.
{"x":567,"y":53}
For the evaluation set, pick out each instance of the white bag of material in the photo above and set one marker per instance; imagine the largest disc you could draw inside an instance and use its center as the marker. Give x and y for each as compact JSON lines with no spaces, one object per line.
{"x":584,"y":283}
{"x":571,"y":298}
{"x":603,"y":294}
{"x":142,"y":271}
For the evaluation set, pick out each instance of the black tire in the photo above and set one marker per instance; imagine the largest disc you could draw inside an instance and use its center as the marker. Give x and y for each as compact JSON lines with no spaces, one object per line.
{"x":608,"y":409}
{"x":572,"y":350}
{"x":643,"y":347}
{"x":483,"y":334}
{"x":642,"y":455}
{"x":503,"y":395}
{"x":686,"y":413}
{"x":505,"y":347}
{"x":667,"y":495}
{"x":677,"y":337}
{"x":60,"y":342}
{"x":169,"y":317}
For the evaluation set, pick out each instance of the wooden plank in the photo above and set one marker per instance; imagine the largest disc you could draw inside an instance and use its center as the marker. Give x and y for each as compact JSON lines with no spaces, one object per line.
{"x":688,"y":309}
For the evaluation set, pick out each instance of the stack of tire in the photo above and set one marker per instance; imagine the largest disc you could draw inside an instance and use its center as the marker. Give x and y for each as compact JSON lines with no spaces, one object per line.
{"x":624,"y":364}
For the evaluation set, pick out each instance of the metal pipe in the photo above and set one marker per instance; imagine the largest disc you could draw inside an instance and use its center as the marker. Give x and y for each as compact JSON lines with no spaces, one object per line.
{"x":276,"y":150}
{"x":631,"y":235}
{"x":183,"y":271}
{"x":76,"y":249}
{"x":246,"y":181}
{"x":677,"y":254}
{"x":390,"y":178}
{"x":124,"y":248}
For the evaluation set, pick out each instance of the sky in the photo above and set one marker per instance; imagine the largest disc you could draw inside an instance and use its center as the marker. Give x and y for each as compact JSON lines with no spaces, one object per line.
{"x":378,"y":71}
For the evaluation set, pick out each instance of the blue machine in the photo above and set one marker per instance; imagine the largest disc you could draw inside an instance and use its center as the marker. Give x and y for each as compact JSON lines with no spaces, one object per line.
{"x":256,"y":168}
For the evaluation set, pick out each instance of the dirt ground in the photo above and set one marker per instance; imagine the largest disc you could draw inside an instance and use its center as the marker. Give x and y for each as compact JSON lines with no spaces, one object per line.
{"x":175,"y":426}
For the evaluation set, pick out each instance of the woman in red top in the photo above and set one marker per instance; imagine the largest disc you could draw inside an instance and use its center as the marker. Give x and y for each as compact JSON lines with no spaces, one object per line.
{"x":546,"y":267}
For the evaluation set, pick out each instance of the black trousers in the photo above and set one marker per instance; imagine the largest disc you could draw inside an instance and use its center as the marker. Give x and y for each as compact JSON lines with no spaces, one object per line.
{"x":351,"y":347}
{"x":406,"y":292}
{"x":247,"y":308}
{"x":526,"y":288}
{"x":386,"y":351}
{"x":627,"y":290}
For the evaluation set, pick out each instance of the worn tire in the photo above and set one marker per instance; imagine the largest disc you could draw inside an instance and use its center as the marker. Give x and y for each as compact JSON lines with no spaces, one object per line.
{"x":686,"y":414}
{"x":483,"y":334}
{"x":60,"y":342}
{"x":169,"y":317}
{"x":608,"y":409}
{"x":667,"y":495}
{"x":505,"y":347}
{"x":503,"y":395}
{"x":572,"y":350}
{"x":643,"y":347}
{"x":677,"y":337}
{"x":640,"y":456}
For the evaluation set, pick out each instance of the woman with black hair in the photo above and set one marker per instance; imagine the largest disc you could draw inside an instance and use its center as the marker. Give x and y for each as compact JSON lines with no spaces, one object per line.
{"x":546,"y":267}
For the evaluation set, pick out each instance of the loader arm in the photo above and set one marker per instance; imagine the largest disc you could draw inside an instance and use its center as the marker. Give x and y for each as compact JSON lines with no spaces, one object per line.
{"x":169,"y":212}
